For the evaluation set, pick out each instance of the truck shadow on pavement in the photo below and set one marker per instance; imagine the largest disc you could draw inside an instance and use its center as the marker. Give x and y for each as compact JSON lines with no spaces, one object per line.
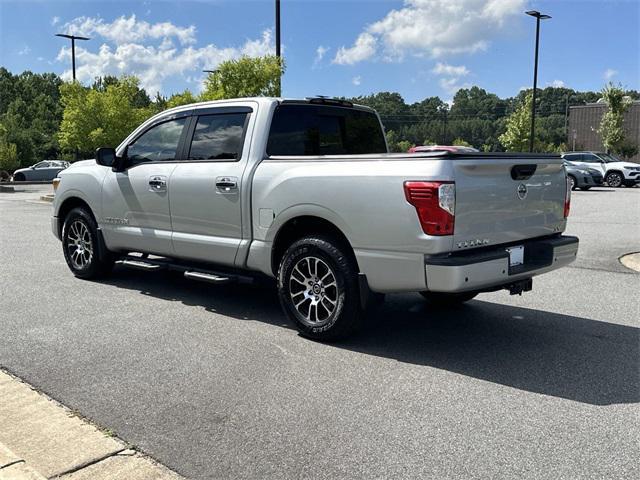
{"x":588,"y":361}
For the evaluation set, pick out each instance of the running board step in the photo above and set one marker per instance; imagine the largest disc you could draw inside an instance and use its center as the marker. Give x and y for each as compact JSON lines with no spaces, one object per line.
{"x":206,"y":277}
{"x":141,"y":265}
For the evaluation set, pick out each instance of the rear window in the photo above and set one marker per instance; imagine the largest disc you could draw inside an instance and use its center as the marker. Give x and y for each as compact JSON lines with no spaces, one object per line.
{"x":324,"y":130}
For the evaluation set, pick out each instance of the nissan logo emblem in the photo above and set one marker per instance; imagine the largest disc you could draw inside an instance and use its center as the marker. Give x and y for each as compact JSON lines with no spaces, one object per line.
{"x":522,"y":191}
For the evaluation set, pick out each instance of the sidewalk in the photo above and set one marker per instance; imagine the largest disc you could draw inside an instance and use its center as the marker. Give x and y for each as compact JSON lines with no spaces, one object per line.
{"x":41,"y":439}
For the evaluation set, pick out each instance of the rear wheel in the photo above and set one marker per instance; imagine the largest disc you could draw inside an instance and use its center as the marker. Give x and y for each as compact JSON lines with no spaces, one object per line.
{"x":318,"y":288}
{"x":614,"y":179}
{"x":85,"y":255}
{"x":448,"y":299}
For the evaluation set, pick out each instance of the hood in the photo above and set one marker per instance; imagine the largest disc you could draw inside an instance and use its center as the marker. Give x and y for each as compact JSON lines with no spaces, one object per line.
{"x":624,"y":164}
{"x":76,"y":165}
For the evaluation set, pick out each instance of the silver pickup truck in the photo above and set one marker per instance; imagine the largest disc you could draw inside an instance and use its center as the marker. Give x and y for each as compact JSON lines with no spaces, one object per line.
{"x":304,"y":191}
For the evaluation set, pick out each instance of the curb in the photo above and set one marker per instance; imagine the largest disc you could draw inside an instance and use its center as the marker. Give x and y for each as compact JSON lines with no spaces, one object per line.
{"x":47,"y":198}
{"x":42,"y":439}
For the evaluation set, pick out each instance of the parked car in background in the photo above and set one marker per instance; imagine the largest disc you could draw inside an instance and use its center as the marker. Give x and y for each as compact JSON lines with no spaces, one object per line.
{"x":41,"y":171}
{"x":616,"y":172}
{"x":443,"y":148}
{"x":582,"y":177}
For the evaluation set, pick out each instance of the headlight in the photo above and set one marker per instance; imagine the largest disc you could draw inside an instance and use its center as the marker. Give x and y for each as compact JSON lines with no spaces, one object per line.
{"x":632,"y":168}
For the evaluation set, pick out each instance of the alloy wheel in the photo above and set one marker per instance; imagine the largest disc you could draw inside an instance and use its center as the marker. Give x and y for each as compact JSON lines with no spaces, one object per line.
{"x":79,"y":245}
{"x":313,"y":291}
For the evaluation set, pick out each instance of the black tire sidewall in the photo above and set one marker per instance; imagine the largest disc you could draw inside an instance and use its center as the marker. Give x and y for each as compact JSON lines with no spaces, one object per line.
{"x":95,"y":268}
{"x":346,"y":316}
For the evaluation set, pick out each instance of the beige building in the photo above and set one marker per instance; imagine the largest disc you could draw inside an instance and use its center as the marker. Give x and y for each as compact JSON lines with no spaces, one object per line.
{"x":584,"y":121}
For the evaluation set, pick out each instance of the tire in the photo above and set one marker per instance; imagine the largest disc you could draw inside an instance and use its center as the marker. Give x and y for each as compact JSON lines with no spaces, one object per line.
{"x":584,"y":189}
{"x":614,"y":179}
{"x":19,"y":177}
{"x":442,"y":299}
{"x":318,"y":288}
{"x":572,"y":182}
{"x":85,"y":254}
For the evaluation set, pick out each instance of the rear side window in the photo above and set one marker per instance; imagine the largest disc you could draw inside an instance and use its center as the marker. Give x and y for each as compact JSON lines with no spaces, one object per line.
{"x":218,"y":137}
{"x":574,"y":157}
{"x":324,"y":130}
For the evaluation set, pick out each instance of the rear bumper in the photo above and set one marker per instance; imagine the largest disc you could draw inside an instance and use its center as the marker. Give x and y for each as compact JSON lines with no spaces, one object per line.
{"x":489,"y":268}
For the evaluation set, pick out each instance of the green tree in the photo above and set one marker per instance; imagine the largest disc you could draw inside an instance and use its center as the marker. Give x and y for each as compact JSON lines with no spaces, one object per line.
{"x":461,"y":143}
{"x":178,"y":99}
{"x":612,"y":124}
{"x":244,"y":77}
{"x":8,"y":152}
{"x":517,"y":134}
{"x":94,"y":117}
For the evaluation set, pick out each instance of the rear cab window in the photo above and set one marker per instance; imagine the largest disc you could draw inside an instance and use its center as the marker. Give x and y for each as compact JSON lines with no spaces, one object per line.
{"x":218,"y":137}
{"x":312,"y":130}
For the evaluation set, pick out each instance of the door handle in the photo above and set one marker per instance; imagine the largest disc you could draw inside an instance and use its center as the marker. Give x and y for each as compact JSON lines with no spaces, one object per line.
{"x":226,"y":184}
{"x":158,"y":184}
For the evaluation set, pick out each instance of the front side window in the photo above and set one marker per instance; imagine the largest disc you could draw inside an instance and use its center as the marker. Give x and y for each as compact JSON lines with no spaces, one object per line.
{"x":218,"y":137}
{"x":157,"y":144}
{"x":41,"y":165}
{"x":324,"y":130}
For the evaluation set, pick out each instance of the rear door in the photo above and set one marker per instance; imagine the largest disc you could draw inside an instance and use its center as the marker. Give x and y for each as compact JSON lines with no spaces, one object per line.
{"x":501,"y":199}
{"x":205,"y":190}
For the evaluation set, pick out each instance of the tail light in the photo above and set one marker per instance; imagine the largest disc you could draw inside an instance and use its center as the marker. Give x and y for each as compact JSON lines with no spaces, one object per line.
{"x":435,"y":203}
{"x":567,"y":199}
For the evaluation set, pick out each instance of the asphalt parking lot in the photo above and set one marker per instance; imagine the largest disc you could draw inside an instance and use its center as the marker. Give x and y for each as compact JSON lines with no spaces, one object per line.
{"x":212,"y":381}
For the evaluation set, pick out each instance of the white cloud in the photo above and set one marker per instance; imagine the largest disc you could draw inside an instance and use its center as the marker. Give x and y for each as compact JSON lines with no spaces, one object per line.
{"x":129,"y":29}
{"x":433,"y":28}
{"x":609,"y":73}
{"x":24,"y":50}
{"x":450,"y":81}
{"x":363,"y":48}
{"x":558,"y":84}
{"x":452,"y":84}
{"x":320,"y":53}
{"x":356,"y":80}
{"x":150,"y":53}
{"x":451,"y":70}
{"x":55,"y":20}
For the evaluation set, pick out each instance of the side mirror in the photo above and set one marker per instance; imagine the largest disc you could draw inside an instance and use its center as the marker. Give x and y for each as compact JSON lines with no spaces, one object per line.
{"x":106,"y":156}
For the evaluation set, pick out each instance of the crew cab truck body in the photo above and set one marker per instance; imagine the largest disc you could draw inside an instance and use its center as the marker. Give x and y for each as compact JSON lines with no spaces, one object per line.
{"x":305,"y":191}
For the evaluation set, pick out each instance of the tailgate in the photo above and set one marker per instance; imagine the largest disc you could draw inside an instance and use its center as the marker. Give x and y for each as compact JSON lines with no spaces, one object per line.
{"x":507,"y":198}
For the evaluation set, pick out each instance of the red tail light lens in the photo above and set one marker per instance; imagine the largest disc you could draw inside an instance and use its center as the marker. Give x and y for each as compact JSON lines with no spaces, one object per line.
{"x":435,"y":203}
{"x":567,"y":199}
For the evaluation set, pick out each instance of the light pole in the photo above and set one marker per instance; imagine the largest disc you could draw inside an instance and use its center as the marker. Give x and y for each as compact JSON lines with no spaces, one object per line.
{"x":73,"y":49}
{"x":278,"y":46}
{"x":538,"y":16}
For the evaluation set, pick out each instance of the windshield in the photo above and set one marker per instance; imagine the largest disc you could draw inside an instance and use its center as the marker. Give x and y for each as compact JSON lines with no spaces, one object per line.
{"x":609,"y":158}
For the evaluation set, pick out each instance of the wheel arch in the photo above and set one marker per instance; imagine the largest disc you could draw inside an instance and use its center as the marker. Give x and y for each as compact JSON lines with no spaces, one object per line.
{"x":69,"y":204}
{"x":301,"y":226}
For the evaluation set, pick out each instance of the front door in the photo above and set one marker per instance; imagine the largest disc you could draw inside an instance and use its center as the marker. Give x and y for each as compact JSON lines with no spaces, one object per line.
{"x":135,"y":202}
{"x":206,"y":189}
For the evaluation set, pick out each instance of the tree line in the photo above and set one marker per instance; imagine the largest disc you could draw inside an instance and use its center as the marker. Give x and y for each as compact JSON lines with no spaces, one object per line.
{"x":42,"y":117}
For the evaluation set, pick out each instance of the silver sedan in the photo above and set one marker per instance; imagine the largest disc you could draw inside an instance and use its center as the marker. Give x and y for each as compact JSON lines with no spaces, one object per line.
{"x":41,"y":171}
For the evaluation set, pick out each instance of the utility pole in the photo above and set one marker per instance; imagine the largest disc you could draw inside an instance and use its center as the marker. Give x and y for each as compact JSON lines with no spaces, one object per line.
{"x":278,"y":47}
{"x":73,"y":39}
{"x":538,"y":16}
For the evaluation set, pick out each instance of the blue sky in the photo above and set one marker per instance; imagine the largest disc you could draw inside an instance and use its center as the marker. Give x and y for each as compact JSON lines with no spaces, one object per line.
{"x":419,"y":48}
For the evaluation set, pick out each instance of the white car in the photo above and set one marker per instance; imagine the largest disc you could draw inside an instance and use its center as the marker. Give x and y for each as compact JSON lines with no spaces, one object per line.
{"x":616,"y":172}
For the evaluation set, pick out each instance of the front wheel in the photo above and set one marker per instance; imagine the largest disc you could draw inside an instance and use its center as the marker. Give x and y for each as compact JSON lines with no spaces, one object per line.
{"x":572,"y":182}
{"x":81,"y":246}
{"x":19,"y":177}
{"x":614,"y":179}
{"x":318,"y":288}
{"x":443,"y":299}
